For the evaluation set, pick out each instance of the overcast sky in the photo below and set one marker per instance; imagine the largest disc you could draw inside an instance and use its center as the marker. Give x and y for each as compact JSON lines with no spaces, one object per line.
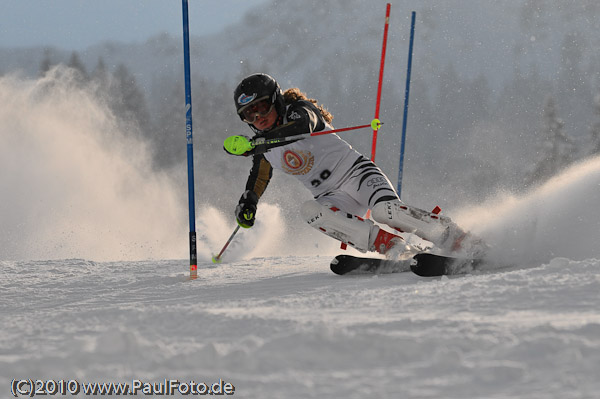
{"x":76,"y":24}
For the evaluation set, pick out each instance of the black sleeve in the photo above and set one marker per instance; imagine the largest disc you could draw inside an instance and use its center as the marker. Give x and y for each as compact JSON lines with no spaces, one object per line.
{"x":260,"y":175}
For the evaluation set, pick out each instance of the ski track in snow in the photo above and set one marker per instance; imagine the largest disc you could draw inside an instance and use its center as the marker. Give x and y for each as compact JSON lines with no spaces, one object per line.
{"x":287,"y":327}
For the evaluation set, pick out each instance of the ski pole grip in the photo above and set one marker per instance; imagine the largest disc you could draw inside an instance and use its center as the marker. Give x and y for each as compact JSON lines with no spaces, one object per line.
{"x":376,"y":124}
{"x":237,"y":145}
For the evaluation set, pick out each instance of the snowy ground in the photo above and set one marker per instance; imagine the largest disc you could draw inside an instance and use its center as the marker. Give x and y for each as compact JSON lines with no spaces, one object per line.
{"x":286,"y":327}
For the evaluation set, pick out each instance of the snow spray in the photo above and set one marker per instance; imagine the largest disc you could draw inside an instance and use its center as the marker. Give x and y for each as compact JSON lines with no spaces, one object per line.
{"x":73,"y":184}
{"x":270,"y":236}
{"x":557,"y":219}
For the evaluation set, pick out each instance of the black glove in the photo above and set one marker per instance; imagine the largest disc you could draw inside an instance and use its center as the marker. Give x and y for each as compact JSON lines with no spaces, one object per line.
{"x":245,"y":211}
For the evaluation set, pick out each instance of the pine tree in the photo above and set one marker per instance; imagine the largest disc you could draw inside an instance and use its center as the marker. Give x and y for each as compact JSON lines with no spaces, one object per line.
{"x":76,"y":64}
{"x":556,"y":149}
{"x":169,"y":139}
{"x":100,"y":73}
{"x":46,"y":62}
{"x":128,"y":101}
{"x":595,"y":130}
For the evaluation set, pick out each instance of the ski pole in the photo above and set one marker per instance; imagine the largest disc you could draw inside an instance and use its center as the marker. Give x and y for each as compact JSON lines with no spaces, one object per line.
{"x":238,"y":145}
{"x":217,"y":259}
{"x":375,"y":124}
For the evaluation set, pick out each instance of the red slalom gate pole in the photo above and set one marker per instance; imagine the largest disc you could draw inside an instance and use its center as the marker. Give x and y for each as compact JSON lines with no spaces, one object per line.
{"x":379,"y":86}
{"x":383,"y":49}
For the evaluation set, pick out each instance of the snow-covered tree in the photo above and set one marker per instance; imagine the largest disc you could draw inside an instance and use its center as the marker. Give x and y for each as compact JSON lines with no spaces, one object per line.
{"x":169,"y":134}
{"x":46,"y":62}
{"x":76,"y":63}
{"x":595,"y":130}
{"x":556,"y":148}
{"x":100,"y":73}
{"x":128,"y":101}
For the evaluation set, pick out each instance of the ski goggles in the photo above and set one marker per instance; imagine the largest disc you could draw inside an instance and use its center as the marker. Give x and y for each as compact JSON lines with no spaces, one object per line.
{"x":255,"y":109}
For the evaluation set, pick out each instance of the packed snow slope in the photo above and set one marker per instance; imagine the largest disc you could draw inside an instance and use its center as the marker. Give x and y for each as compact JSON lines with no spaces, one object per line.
{"x":272,"y":320}
{"x":285,"y":327}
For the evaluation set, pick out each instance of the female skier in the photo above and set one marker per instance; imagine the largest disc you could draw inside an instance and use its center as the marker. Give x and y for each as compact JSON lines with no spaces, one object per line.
{"x":344,"y":183}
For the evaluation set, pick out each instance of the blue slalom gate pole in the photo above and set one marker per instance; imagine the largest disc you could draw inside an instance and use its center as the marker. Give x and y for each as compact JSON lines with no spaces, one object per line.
{"x":406,"y":95}
{"x":190,"y":147}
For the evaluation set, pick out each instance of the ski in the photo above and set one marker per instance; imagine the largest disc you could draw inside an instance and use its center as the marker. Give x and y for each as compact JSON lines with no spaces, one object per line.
{"x":348,"y":264}
{"x":431,"y":265}
{"x":423,"y":264}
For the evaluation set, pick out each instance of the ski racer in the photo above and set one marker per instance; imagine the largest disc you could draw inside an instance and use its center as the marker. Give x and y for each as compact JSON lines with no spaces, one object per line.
{"x":344,"y":184}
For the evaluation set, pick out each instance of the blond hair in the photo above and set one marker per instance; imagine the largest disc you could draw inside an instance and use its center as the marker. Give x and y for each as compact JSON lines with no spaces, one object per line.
{"x":294,"y":94}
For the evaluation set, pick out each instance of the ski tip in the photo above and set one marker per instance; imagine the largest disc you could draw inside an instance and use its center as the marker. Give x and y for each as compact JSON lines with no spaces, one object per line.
{"x":343,"y":264}
{"x":429,"y":265}
{"x":432,"y":265}
{"x":348,"y":264}
{"x":336,"y":267}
